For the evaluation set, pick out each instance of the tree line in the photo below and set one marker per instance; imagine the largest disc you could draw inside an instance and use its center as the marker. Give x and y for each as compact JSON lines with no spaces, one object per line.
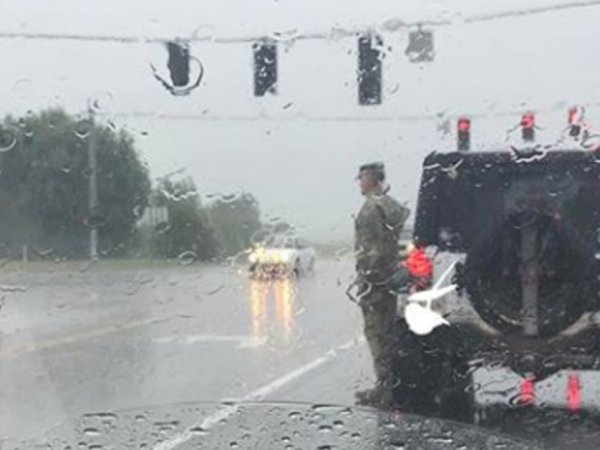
{"x":44,"y":197}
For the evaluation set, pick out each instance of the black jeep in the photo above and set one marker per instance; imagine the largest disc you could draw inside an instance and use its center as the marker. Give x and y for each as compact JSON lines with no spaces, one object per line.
{"x":522,"y":229}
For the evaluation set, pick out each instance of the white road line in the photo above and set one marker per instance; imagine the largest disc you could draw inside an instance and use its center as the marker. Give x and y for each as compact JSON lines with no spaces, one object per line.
{"x":241,"y":341}
{"x":258,"y":394}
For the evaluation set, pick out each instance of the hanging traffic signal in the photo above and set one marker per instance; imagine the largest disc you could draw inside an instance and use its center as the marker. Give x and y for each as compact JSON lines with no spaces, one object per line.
{"x":179,"y":63}
{"x":369,"y":69}
{"x":528,"y":127}
{"x":265,"y":68}
{"x":179,"y":69}
{"x":420,"y":46}
{"x":464,"y":134}
{"x":575,"y":118}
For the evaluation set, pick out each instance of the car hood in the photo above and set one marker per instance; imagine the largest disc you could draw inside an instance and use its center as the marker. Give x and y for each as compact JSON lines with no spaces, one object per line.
{"x":269,"y":425}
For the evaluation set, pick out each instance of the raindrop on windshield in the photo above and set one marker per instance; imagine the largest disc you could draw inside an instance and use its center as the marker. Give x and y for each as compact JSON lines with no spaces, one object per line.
{"x":8,"y":140}
{"x":163,"y":227}
{"x":286,"y":36}
{"x":186,"y":258}
{"x":556,"y":183}
{"x":167,"y":426}
{"x":104,"y":416}
{"x":91,"y":431}
{"x":83,"y":128}
{"x":228,"y":198}
{"x":395,"y":88}
{"x":392,"y":25}
{"x":198,"y":431}
{"x":22,"y":87}
{"x":397,"y":445}
{"x":138,"y":210}
{"x":337,"y":34}
{"x":101,"y":102}
{"x":296,"y":414}
{"x":345,"y":412}
{"x":444,"y":441}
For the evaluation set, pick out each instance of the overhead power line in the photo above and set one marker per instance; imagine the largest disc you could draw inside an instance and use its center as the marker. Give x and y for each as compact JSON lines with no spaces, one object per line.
{"x":531,"y":11}
{"x":336,"y":33}
{"x":358,"y":118}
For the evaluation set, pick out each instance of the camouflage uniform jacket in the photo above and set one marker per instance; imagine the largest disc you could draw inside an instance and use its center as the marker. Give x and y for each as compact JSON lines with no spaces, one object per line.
{"x":377,"y":231}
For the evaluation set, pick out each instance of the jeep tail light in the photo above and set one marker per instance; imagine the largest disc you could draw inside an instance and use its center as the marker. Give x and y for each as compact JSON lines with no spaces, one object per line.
{"x":573,"y":393}
{"x":420,"y":267}
{"x":527,"y":392}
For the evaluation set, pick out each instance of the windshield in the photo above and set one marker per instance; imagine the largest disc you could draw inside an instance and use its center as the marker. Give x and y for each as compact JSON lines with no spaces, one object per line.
{"x":219,"y":219}
{"x":282,"y":242}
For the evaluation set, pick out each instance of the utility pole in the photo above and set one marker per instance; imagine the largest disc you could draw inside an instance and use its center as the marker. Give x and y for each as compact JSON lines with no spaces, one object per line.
{"x":93,"y":187}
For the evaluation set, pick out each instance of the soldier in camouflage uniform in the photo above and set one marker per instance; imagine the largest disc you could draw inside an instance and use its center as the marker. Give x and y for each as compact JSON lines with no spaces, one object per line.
{"x":377,"y":232}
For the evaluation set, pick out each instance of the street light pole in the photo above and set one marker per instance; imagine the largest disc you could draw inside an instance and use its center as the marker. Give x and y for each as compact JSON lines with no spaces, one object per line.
{"x":93,"y":187}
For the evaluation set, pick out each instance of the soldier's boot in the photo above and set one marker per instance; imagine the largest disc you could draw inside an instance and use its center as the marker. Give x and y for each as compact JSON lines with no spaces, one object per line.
{"x":378,"y":397}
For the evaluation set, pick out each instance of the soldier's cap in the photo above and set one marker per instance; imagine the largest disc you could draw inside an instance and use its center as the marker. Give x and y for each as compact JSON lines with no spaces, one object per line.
{"x":376,"y":168}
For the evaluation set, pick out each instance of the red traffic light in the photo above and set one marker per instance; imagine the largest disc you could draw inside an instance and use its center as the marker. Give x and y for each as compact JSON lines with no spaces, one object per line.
{"x":528,"y":127}
{"x":528,"y":120}
{"x":573,"y":116}
{"x":575,"y":121}
{"x":464,"y":134}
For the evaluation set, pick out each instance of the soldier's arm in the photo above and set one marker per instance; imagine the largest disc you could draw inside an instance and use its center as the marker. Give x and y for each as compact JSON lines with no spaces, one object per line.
{"x":370,"y":244}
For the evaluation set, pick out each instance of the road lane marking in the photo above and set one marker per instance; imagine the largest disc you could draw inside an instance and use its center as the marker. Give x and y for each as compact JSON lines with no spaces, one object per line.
{"x":6,"y":288}
{"x":258,"y":394}
{"x":13,"y":351}
{"x":241,"y":341}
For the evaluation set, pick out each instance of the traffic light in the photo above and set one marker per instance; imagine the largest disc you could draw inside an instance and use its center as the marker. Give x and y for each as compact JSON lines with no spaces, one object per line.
{"x":265,"y":68}
{"x":575,"y":118}
{"x":528,"y":127}
{"x":179,"y":69}
{"x":179,"y":63}
{"x":420,"y":46}
{"x":464,"y":134}
{"x":369,"y":69}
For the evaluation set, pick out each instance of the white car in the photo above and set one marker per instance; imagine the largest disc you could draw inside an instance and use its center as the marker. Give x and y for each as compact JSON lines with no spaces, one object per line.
{"x":282,"y":256}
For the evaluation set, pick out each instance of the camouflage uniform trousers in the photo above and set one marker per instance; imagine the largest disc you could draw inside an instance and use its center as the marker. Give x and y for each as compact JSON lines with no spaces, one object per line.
{"x":379,"y":313}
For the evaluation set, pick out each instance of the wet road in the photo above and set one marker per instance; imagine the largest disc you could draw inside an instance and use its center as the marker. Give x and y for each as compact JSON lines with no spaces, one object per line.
{"x":97,"y":340}
{"x":75,"y":342}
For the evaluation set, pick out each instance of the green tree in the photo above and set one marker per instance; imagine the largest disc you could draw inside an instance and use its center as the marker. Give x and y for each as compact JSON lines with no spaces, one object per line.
{"x":44,"y":179}
{"x":189,"y":228}
{"x":236,"y":220}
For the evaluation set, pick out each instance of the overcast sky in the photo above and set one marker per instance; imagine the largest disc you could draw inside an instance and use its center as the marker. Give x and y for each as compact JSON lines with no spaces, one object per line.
{"x":298,"y":151}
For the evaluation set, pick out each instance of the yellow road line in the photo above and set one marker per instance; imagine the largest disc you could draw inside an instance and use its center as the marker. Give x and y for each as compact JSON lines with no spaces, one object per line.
{"x":13,"y":351}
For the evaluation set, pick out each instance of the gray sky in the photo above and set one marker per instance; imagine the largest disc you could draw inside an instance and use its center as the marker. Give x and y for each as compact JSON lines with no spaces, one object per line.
{"x":300,"y":160}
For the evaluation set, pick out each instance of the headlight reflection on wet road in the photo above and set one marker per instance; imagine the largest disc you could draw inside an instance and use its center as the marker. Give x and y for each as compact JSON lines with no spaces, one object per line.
{"x":272,"y":309}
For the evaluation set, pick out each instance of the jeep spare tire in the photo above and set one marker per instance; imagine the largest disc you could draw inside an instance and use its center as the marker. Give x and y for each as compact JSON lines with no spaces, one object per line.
{"x":529,"y":276}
